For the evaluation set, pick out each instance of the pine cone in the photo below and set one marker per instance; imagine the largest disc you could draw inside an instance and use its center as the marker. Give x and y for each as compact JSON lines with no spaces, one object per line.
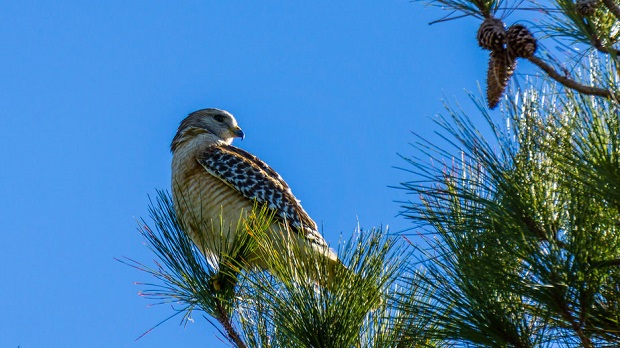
{"x":520,"y":42}
{"x":491,"y":34}
{"x":586,"y":7}
{"x":501,"y":68}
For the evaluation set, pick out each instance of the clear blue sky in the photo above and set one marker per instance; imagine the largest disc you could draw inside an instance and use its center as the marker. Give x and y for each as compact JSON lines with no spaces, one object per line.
{"x":91,"y":94}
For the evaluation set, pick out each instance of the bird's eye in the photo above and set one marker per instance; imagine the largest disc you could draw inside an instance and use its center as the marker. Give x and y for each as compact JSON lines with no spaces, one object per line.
{"x":219,"y":118}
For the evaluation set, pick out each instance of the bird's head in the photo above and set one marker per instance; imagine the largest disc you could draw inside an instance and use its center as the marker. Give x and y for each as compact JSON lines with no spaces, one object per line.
{"x":218,"y":125}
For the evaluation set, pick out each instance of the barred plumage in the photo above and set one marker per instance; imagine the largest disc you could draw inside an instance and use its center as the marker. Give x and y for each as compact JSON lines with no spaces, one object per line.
{"x":520,"y":42}
{"x":500,"y":69}
{"x":492,"y":34}
{"x":256,"y":181}
{"x":215,"y":186}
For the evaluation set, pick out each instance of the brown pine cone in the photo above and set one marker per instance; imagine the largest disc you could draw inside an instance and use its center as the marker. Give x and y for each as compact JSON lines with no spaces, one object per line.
{"x":491,"y":34}
{"x":520,"y":42}
{"x":501,"y":67}
{"x":586,"y":7}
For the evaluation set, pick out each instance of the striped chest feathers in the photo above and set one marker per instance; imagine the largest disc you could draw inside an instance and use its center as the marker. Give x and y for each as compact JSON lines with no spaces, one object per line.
{"x":199,"y":194}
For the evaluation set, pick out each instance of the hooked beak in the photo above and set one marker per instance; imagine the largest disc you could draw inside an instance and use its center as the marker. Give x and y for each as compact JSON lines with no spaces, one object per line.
{"x":238,"y":132}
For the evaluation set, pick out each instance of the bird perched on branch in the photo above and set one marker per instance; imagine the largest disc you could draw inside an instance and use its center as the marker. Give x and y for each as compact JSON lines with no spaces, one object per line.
{"x":216,"y":185}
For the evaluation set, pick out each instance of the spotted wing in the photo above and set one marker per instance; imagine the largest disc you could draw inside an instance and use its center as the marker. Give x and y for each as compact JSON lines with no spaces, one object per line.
{"x":255,"y":180}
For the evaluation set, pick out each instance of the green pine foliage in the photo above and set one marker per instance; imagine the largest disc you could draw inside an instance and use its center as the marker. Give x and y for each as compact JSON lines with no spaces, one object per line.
{"x":522,"y":245}
{"x":461,"y":8}
{"x":519,"y":225}
{"x":525,"y":246}
{"x":600,"y":30}
{"x":283,"y":307}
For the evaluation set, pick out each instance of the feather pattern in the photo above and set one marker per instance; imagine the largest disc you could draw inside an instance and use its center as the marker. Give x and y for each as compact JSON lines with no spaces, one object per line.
{"x":257,"y":181}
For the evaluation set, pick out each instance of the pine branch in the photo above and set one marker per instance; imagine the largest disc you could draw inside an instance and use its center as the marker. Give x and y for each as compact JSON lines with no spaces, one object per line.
{"x":476,"y":8}
{"x":605,"y":263}
{"x":613,"y":7}
{"x":597,"y":43}
{"x":294,"y":302}
{"x":187,"y":275}
{"x":564,"y":80}
{"x":224,"y":319}
{"x":518,"y":220}
{"x":522,"y":222}
{"x":328,"y":312}
{"x":586,"y":342}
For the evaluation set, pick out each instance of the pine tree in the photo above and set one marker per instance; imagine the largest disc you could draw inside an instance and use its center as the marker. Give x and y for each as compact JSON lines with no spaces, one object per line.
{"x":521,"y":242}
{"x":523,"y":246}
{"x":369,"y":307}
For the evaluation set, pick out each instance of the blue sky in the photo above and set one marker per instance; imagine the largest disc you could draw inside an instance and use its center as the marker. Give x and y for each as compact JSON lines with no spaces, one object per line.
{"x":91,"y":94}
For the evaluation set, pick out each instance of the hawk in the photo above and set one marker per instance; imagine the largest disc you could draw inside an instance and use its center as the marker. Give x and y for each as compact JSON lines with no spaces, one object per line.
{"x":215,"y":185}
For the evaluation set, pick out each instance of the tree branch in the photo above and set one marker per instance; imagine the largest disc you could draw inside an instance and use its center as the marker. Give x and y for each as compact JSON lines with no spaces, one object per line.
{"x":223,"y":318}
{"x":566,"y":313}
{"x":598,"y":44}
{"x":613,"y":7}
{"x":606,"y":263}
{"x":572,"y":84}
